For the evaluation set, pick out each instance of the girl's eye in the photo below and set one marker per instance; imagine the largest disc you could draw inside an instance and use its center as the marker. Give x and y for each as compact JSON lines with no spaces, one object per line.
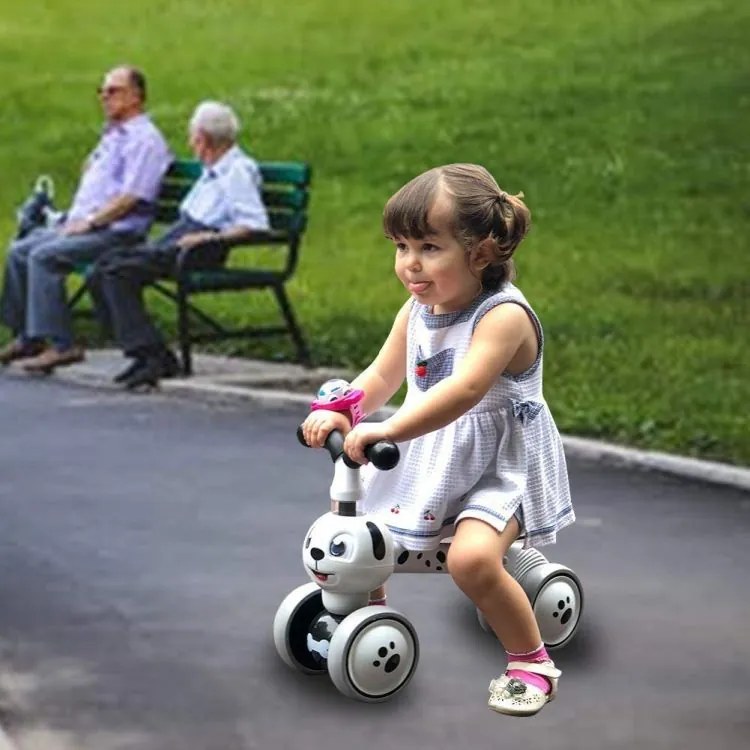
{"x":338,"y":548}
{"x":429,"y":247}
{"x":400,"y":247}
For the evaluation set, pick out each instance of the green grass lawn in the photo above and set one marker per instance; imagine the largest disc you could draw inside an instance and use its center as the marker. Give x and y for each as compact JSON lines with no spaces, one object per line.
{"x":624,"y":123}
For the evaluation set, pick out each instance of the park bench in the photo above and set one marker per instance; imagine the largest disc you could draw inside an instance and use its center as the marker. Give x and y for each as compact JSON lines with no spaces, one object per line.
{"x":285,"y":194}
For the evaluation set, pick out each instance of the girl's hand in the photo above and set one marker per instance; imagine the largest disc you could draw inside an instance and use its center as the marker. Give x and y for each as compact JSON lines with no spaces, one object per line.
{"x":364,"y":434}
{"x":319,"y":425}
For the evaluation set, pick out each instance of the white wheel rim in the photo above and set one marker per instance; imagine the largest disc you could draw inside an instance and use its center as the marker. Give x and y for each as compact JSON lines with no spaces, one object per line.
{"x":381,"y":658}
{"x":557,"y":608}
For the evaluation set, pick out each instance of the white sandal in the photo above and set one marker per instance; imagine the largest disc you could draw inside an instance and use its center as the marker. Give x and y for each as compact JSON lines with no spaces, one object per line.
{"x":512,"y":696}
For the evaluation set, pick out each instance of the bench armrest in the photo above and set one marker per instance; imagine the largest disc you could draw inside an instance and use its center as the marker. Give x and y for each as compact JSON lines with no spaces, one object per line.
{"x":290,"y":240}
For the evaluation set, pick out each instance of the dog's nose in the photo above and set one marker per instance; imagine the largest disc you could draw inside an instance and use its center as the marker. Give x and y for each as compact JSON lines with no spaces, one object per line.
{"x":317,"y":553}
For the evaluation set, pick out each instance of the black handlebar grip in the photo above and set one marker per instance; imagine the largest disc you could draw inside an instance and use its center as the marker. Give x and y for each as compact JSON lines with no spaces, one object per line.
{"x":334,"y":444}
{"x":301,"y":437}
{"x":384,"y":454}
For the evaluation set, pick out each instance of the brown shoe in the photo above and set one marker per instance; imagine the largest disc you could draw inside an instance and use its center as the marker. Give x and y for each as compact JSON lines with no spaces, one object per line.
{"x":51,"y":358}
{"x":20,"y":350}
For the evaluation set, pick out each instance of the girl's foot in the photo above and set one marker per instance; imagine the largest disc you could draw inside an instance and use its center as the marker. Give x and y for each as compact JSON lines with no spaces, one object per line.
{"x":516,"y":697}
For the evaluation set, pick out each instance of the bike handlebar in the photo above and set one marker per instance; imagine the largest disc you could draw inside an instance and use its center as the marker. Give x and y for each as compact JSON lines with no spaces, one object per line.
{"x":384,"y":454}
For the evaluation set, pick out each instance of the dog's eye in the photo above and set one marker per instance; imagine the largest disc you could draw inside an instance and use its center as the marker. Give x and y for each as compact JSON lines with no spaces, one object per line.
{"x":338,"y":547}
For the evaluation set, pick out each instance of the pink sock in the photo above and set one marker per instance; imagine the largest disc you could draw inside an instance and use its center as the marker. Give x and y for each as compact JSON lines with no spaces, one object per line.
{"x":377,"y":601}
{"x":533,"y":657}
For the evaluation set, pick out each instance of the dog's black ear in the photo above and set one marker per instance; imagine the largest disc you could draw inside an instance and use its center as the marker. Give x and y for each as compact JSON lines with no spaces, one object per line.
{"x":378,"y":542}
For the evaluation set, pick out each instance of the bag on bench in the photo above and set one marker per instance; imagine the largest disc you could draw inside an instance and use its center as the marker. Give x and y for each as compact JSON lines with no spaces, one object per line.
{"x":38,"y":210}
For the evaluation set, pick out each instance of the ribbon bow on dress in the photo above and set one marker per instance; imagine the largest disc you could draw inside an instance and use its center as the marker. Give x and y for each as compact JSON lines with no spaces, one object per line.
{"x":526,"y":411}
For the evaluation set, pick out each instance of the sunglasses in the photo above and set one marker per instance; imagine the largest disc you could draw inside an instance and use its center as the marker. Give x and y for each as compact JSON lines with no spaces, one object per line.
{"x":109,"y":90}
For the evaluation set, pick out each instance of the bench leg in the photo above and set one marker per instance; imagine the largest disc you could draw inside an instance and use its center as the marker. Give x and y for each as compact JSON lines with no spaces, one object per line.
{"x":183,"y":330}
{"x":77,"y":295}
{"x":303,"y":353}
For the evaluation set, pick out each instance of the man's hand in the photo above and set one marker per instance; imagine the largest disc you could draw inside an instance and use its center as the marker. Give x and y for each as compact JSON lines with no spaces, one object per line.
{"x":80,"y":226}
{"x":196,"y":238}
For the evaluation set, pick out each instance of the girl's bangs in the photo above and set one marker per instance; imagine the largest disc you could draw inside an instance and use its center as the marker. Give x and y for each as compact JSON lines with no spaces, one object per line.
{"x":405,"y":214}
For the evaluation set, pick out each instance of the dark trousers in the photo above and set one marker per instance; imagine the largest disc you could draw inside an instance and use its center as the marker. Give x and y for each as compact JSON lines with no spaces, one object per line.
{"x":33,"y":299}
{"x":117,"y":281}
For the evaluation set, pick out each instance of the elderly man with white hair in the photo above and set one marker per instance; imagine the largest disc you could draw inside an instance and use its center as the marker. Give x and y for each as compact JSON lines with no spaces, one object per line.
{"x":224,"y":204}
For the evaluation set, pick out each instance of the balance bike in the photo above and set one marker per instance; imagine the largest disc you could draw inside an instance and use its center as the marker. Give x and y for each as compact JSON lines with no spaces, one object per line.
{"x":371,"y":651}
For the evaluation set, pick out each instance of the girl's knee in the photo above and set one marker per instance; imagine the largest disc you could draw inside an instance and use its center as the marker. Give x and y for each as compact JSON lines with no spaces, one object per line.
{"x":474,"y":566}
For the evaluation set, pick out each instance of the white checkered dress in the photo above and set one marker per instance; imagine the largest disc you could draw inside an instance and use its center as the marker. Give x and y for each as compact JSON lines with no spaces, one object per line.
{"x":501,"y":458}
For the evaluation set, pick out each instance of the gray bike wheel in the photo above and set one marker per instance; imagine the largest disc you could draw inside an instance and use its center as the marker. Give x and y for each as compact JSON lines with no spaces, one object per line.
{"x":373,"y":654}
{"x":291,"y":625}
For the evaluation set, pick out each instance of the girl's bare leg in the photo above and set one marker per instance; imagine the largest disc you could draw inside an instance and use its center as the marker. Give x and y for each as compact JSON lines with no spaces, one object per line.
{"x":475,"y":562}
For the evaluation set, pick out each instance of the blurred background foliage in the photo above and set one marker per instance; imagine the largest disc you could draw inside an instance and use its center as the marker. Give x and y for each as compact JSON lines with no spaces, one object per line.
{"x":625,"y":124}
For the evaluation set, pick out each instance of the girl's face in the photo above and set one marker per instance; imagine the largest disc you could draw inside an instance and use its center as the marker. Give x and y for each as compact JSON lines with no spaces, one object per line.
{"x":436,"y":269}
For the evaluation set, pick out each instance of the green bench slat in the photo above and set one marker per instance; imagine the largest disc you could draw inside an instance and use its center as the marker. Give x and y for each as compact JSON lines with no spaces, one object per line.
{"x":166,"y":213}
{"x":276,"y":198}
{"x":172,"y":194}
{"x":275,"y":195}
{"x":296,"y":173}
{"x":173,"y":191}
{"x":283,"y":221}
{"x":225,"y":279}
{"x":188,"y":169}
{"x":287,"y":222}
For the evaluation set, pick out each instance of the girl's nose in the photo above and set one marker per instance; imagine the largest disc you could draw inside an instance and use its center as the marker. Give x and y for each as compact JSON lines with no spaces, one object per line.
{"x":413,"y":262}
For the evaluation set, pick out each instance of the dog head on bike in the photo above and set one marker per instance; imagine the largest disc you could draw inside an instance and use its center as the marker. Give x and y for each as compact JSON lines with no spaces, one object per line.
{"x":348,"y":554}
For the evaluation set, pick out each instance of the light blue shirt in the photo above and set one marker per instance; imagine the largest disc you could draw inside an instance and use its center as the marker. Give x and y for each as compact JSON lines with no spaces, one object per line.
{"x":130,"y":158}
{"x":228,"y":194}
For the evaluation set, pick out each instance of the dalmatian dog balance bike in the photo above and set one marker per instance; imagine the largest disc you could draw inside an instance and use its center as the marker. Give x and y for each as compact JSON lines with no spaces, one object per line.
{"x":371,"y":652}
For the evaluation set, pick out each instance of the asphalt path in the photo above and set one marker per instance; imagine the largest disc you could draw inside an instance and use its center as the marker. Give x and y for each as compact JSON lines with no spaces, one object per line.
{"x":146,"y":542}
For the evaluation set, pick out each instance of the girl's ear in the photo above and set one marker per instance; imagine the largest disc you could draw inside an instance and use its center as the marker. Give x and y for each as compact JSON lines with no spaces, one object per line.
{"x":484,"y":253}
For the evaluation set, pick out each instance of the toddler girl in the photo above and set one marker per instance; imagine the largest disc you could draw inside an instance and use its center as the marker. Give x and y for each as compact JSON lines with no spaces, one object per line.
{"x":481,"y":458}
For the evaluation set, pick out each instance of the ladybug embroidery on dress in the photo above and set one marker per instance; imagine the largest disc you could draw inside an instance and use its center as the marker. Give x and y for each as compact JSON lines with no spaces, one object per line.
{"x":430,"y":370}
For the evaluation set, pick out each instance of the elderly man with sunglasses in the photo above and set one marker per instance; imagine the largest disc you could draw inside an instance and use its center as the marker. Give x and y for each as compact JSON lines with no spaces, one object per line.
{"x":112,"y":208}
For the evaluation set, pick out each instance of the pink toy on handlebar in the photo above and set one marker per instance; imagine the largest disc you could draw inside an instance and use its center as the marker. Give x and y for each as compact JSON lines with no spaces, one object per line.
{"x":338,"y":395}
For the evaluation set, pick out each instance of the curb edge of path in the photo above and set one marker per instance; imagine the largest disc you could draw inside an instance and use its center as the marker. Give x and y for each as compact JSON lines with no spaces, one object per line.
{"x":588,"y":449}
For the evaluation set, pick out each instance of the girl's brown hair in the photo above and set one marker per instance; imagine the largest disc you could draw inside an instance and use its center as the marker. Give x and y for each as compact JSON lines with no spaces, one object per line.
{"x":481,"y":211}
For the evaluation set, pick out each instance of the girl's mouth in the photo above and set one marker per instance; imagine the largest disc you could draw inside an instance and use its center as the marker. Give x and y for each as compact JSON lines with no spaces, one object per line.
{"x":418,"y":287}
